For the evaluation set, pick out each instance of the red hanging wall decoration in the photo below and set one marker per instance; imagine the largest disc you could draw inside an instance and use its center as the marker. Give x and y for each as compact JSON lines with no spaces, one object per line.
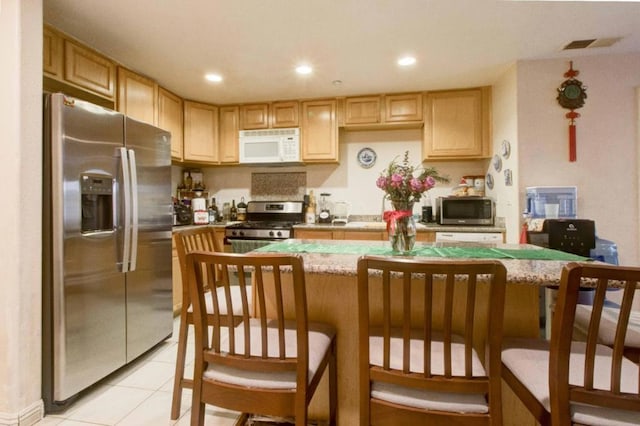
{"x":571,"y":95}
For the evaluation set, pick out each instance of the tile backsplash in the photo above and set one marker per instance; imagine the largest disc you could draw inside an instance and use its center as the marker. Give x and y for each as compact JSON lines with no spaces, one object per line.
{"x":278,"y":186}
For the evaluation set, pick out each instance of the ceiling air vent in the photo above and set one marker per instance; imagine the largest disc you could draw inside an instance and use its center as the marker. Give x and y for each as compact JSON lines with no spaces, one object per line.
{"x":579,"y":44}
{"x":594,"y":42}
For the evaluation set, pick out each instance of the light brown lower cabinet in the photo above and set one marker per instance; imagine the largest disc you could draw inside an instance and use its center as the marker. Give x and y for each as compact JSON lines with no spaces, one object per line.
{"x":355,"y":234}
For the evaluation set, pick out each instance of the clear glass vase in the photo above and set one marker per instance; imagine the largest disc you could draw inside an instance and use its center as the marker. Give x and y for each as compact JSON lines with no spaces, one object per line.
{"x":402,"y":227}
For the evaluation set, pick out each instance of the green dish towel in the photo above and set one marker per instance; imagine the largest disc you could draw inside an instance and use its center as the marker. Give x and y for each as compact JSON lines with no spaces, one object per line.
{"x":423,"y":251}
{"x":243,"y":246}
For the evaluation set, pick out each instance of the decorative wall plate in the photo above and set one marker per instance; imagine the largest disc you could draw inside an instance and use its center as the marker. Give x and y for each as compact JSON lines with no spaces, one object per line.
{"x":505,"y":149}
{"x":497,"y":163}
{"x":366,"y":157}
{"x":489,"y":181}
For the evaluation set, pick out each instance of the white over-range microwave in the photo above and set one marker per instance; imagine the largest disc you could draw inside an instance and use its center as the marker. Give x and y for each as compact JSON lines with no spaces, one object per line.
{"x":270,"y":146}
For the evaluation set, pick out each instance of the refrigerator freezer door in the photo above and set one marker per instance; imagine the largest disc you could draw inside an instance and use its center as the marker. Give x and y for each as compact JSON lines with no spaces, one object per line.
{"x":149,"y":289}
{"x":86,"y":290}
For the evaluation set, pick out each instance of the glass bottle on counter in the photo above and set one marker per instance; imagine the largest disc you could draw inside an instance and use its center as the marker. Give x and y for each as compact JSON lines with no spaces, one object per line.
{"x":233,"y":211}
{"x":213,"y":211}
{"x":188,"y":181}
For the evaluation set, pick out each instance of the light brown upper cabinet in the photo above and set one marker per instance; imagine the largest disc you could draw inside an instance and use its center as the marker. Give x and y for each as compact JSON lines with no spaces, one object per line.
{"x":319,"y":131}
{"x":379,"y":110}
{"x":457,"y":124}
{"x":200,"y":132}
{"x":170,"y":118}
{"x":274,"y":115}
{"x":254,"y":116}
{"x":285,"y":114}
{"x":137,"y":96}
{"x":362,"y":110}
{"x":229,"y":128}
{"x":52,"y":53}
{"x":401,"y":108}
{"x":89,"y":70}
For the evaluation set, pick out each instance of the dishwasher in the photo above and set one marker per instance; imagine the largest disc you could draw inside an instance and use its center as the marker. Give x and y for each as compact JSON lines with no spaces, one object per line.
{"x":469,"y":237}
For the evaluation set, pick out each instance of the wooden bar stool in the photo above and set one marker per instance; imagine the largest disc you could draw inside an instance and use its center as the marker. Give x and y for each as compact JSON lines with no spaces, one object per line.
{"x":568,"y":381}
{"x":269,"y":364}
{"x":428,"y":368}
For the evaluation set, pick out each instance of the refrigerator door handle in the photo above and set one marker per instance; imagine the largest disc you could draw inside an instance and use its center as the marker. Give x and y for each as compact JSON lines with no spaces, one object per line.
{"x":133,"y":171}
{"x":127,"y":208}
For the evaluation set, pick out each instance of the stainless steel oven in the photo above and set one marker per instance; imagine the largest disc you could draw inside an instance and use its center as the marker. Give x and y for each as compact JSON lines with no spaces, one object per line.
{"x":267,"y":221}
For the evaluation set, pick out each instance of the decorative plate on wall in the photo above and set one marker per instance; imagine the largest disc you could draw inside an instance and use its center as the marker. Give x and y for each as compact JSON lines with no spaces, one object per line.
{"x":489,"y":181}
{"x":367,"y":157}
{"x":497,"y":163}
{"x":505,"y":149}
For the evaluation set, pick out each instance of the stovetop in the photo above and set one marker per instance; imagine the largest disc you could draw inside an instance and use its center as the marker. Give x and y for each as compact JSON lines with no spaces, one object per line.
{"x":257,"y":224}
{"x":270,"y":220}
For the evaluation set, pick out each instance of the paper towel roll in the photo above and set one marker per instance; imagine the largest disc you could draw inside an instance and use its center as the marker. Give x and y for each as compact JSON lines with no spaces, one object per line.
{"x":199,"y":204}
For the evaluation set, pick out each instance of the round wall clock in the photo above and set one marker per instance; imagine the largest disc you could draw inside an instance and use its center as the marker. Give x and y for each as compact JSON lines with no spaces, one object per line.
{"x":571,"y":94}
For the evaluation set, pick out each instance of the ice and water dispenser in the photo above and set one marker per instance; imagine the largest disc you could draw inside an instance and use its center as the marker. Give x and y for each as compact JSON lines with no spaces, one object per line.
{"x":552,"y":215}
{"x":97,"y":203}
{"x":552,"y":202}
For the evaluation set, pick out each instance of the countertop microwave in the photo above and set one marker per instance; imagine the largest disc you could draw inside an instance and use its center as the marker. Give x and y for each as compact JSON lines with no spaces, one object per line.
{"x":270,"y":146}
{"x":477,"y":211}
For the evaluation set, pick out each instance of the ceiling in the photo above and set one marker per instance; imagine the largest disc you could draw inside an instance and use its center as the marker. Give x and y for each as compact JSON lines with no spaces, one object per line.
{"x":256,"y":44}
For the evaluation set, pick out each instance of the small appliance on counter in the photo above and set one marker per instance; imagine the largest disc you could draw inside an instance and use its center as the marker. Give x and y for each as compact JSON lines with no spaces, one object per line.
{"x":325,"y":212}
{"x":182,"y":214}
{"x":577,"y":236}
{"x":478,"y":211}
{"x":340,"y":213}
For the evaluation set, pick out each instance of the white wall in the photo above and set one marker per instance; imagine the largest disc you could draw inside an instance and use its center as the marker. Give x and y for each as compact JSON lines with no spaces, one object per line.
{"x":505,"y":128}
{"x":20,"y":227}
{"x":606,"y":170}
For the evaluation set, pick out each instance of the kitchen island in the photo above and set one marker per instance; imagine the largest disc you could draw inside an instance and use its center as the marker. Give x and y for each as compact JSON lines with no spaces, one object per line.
{"x":331,"y":282}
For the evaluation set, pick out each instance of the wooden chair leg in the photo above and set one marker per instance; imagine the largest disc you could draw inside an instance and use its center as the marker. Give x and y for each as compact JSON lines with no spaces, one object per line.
{"x":333,"y":386}
{"x":180,"y":360}
{"x":197,"y":406}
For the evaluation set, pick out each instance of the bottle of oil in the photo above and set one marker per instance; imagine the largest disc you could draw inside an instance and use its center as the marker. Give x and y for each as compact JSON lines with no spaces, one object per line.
{"x":233,"y":211}
{"x":213,"y":211}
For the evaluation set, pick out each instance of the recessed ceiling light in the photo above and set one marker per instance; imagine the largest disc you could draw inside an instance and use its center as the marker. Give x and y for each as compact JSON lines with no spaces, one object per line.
{"x":406,"y":61}
{"x":304,"y":69}
{"x":215,"y":78}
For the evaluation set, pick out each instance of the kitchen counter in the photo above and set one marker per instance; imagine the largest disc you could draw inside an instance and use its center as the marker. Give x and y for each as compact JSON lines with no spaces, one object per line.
{"x":420,"y":226}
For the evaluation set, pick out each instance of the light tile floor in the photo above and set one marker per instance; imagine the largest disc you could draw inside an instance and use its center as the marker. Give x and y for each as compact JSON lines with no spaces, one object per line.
{"x":139,"y":395}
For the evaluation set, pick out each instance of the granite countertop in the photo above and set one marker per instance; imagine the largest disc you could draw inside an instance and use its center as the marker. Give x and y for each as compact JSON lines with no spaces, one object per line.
{"x":532,"y":272}
{"x":420,"y":226}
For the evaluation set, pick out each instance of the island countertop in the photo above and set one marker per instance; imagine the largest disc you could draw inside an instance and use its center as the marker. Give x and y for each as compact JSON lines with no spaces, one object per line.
{"x":339,"y":260}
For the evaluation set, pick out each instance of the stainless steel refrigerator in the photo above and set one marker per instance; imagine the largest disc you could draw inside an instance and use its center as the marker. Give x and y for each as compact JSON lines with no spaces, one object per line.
{"x":106,"y":244}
